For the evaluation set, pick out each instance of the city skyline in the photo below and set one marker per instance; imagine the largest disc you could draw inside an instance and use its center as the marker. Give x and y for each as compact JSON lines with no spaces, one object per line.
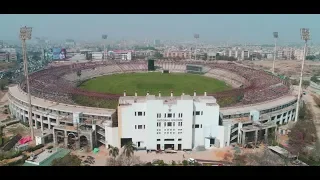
{"x":212,"y":28}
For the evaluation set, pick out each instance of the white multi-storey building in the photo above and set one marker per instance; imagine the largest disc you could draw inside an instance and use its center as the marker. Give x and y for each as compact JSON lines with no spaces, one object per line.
{"x":181,"y":123}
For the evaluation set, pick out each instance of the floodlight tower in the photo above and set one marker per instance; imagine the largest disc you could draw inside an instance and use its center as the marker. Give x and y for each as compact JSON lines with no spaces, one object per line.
{"x":196,"y":36}
{"x":275,"y":36}
{"x":25,"y":34}
{"x":305,"y":35}
{"x":104,"y":37}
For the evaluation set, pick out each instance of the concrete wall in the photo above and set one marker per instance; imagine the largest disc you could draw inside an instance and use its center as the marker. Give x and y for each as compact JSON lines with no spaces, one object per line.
{"x":185,"y":135}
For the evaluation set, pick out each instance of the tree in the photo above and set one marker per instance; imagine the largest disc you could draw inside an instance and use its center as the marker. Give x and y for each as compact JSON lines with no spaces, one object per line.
{"x":296,"y":141}
{"x":173,"y":163}
{"x":310,"y":57}
{"x":129,"y":148}
{"x":68,"y":160}
{"x":113,"y":151}
{"x":239,"y":160}
{"x":302,"y":133}
{"x":79,"y":75}
{"x":316,"y":100}
{"x":123,"y":160}
{"x":294,"y":82}
{"x":3,"y":83}
{"x":265,"y":56}
{"x":158,"y":55}
{"x":305,"y":83}
{"x":265,"y":158}
{"x":185,"y":163}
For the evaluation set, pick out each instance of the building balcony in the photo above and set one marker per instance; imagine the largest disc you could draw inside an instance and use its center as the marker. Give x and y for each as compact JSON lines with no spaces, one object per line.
{"x":101,"y":132}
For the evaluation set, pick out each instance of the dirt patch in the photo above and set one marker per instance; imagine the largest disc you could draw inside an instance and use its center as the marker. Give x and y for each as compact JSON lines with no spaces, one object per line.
{"x":14,"y":129}
{"x":290,"y":68}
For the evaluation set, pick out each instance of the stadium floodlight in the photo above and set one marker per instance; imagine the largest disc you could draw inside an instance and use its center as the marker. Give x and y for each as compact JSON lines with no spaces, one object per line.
{"x":196,"y":36}
{"x":305,"y":35}
{"x":25,"y":34}
{"x":275,"y":36}
{"x":104,"y":37}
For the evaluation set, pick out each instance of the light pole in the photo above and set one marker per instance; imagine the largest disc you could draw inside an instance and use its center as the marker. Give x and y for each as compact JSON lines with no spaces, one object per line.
{"x":25,"y":34}
{"x":196,"y":36}
{"x":104,"y":37}
{"x":305,"y":35}
{"x":275,"y":36}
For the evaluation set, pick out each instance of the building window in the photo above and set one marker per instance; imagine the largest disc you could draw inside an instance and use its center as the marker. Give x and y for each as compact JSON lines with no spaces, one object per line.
{"x":179,"y":139}
{"x":139,"y":126}
{"x":144,"y":126}
{"x":181,"y":114}
{"x":165,"y":124}
{"x":197,"y":112}
{"x":158,"y":124}
{"x":144,"y":113}
{"x":165,"y":115}
{"x":201,"y":112}
{"x":168,"y":139}
{"x":158,"y":139}
{"x":139,"y":113}
{"x":135,"y":113}
{"x":135,"y":126}
{"x":179,"y":123}
{"x":158,"y":115}
{"x":173,"y":124}
{"x":196,"y":126}
{"x":169,"y":115}
{"x":169,"y":123}
{"x":201,"y":126}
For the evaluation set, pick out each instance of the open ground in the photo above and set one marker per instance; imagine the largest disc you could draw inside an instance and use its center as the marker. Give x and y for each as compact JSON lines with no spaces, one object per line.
{"x":290,"y":68}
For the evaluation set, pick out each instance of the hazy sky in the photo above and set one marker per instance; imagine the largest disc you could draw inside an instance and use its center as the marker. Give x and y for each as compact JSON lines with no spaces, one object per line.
{"x":212,"y":28}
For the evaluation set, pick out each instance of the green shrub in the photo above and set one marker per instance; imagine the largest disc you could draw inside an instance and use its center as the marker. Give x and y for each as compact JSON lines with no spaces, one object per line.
{"x":68,"y":160}
{"x":185,"y":163}
{"x":9,"y":154}
{"x":31,"y":149}
{"x":18,"y":162}
{"x":50,"y":147}
{"x":12,"y":122}
{"x":173,"y":163}
{"x":148,"y":164}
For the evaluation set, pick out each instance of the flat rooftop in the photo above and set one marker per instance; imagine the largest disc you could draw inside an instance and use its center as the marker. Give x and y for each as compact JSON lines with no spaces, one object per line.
{"x":45,"y":158}
{"x":166,"y":99}
{"x":258,"y":107}
{"x":258,"y":126}
{"x":16,"y":92}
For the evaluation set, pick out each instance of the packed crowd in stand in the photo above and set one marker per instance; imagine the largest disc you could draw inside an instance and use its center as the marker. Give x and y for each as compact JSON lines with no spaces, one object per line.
{"x":59,"y":83}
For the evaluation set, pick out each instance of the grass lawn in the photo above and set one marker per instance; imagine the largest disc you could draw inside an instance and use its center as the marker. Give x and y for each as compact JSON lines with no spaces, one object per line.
{"x":154,"y":82}
{"x":143,"y":82}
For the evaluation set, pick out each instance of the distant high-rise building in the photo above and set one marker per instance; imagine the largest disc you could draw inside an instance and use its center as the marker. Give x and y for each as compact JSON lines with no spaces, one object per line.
{"x":8,"y":54}
{"x":70,"y":42}
{"x":157,"y":42}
